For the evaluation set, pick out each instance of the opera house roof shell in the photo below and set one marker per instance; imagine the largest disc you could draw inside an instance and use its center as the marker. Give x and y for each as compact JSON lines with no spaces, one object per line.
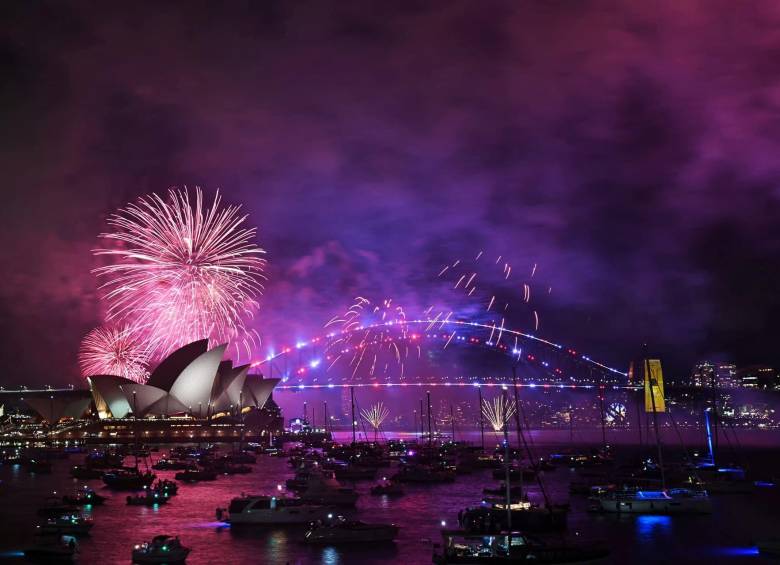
{"x":192,"y":380}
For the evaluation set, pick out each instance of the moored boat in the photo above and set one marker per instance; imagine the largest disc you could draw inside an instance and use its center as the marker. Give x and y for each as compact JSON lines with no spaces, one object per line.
{"x":271,"y":510}
{"x":162,"y":549}
{"x":52,"y":549}
{"x":673,"y":501}
{"x":73,"y":525}
{"x":341,"y":530}
{"x":473,"y":548}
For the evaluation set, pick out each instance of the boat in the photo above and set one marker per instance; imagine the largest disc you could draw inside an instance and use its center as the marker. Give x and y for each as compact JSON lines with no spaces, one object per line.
{"x":672,"y":501}
{"x":149,"y":498}
{"x":84,"y":497}
{"x":354,"y":473}
{"x":54,"y":506}
{"x":195,"y":476}
{"x":166,"y":488}
{"x":323,"y":488}
{"x":52,"y":549}
{"x":73,"y":525}
{"x":85,"y":472}
{"x":241,"y":458}
{"x":162,"y":549}
{"x":172,"y":465}
{"x":341,"y":530}
{"x":387,"y":488}
{"x":128,"y":480}
{"x":271,"y":510}
{"x":424,"y":474}
{"x":492,"y":517}
{"x":516,"y":547}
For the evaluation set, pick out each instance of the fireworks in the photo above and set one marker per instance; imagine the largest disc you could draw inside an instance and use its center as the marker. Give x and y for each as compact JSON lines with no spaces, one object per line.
{"x":183,"y":271}
{"x":484,"y":289}
{"x":374,"y":336}
{"x":111,"y":351}
{"x":375,"y":415}
{"x":498,"y":412}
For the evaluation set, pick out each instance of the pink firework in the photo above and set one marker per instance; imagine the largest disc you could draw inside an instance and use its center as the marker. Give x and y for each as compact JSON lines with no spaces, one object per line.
{"x":112,"y":351}
{"x":183,"y":271}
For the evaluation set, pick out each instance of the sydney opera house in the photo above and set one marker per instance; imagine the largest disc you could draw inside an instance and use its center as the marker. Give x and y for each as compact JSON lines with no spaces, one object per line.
{"x":193,"y":393}
{"x":192,"y":381}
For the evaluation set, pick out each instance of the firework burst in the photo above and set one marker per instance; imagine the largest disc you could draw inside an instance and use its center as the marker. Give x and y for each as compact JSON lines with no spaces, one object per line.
{"x":112,"y":351}
{"x":375,"y":415}
{"x":498,"y":412}
{"x":183,"y":271}
{"x":372,"y":336}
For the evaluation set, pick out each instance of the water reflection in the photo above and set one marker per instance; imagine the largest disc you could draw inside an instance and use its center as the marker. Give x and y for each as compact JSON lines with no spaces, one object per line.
{"x":649,"y":526}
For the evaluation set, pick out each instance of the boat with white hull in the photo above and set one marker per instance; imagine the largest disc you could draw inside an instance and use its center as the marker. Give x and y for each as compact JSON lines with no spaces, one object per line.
{"x":673,"y":501}
{"x":271,"y":511}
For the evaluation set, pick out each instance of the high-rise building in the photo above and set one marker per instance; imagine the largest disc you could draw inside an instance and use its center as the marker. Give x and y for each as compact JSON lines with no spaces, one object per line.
{"x":703,"y":374}
{"x":726,"y":375}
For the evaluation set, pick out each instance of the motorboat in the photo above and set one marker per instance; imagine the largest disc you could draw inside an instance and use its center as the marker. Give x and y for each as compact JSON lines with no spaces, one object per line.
{"x":241,"y":458}
{"x":166,"y":488}
{"x":128,"y":479}
{"x":172,"y":465}
{"x":424,"y":474}
{"x":459,"y":547}
{"x":53,"y":507}
{"x":149,"y":498}
{"x":354,"y":473}
{"x":85,"y":472}
{"x":387,"y":488}
{"x":84,"y":497}
{"x":73,"y":524}
{"x":271,"y":510}
{"x":162,"y":549}
{"x":323,"y":488}
{"x":341,"y":530}
{"x":52,"y":549}
{"x":195,"y":476}
{"x":672,"y":501}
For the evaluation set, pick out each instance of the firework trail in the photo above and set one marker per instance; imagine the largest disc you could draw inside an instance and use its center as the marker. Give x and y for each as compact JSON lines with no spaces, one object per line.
{"x":183,"y":271}
{"x":369,"y":334}
{"x":498,"y":412}
{"x":483,"y":289}
{"x":114,"y":351}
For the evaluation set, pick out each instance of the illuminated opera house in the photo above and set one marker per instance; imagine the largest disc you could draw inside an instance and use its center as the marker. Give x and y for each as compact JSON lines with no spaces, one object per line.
{"x":193,"y":381}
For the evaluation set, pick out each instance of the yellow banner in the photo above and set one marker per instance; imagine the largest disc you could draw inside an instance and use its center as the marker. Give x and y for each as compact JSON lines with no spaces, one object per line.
{"x":654,"y":375}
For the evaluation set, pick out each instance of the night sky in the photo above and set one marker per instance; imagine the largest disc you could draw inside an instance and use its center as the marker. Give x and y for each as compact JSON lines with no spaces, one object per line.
{"x":627,"y":148}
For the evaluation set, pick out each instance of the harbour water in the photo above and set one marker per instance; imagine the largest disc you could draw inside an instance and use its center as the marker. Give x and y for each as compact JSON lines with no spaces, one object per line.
{"x":728,"y":535}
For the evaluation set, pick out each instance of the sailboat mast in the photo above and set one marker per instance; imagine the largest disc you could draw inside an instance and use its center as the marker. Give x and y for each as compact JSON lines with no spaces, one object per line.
{"x":354,"y":422}
{"x":507,"y":462}
{"x":481,"y":420}
{"x":655,"y":424}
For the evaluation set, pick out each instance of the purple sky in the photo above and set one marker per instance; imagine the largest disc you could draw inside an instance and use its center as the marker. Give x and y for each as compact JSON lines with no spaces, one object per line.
{"x":628,"y":148}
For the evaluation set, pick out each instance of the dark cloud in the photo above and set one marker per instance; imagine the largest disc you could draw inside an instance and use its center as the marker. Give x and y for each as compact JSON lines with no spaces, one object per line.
{"x":628,"y":149}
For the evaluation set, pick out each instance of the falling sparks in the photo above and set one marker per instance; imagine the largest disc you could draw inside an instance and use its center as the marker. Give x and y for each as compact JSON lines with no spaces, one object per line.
{"x":369,"y":330}
{"x":498,"y":412}
{"x":183,"y":271}
{"x":112,"y":351}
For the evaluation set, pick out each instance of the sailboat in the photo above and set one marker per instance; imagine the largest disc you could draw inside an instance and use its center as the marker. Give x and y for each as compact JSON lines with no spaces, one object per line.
{"x":663,"y":501}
